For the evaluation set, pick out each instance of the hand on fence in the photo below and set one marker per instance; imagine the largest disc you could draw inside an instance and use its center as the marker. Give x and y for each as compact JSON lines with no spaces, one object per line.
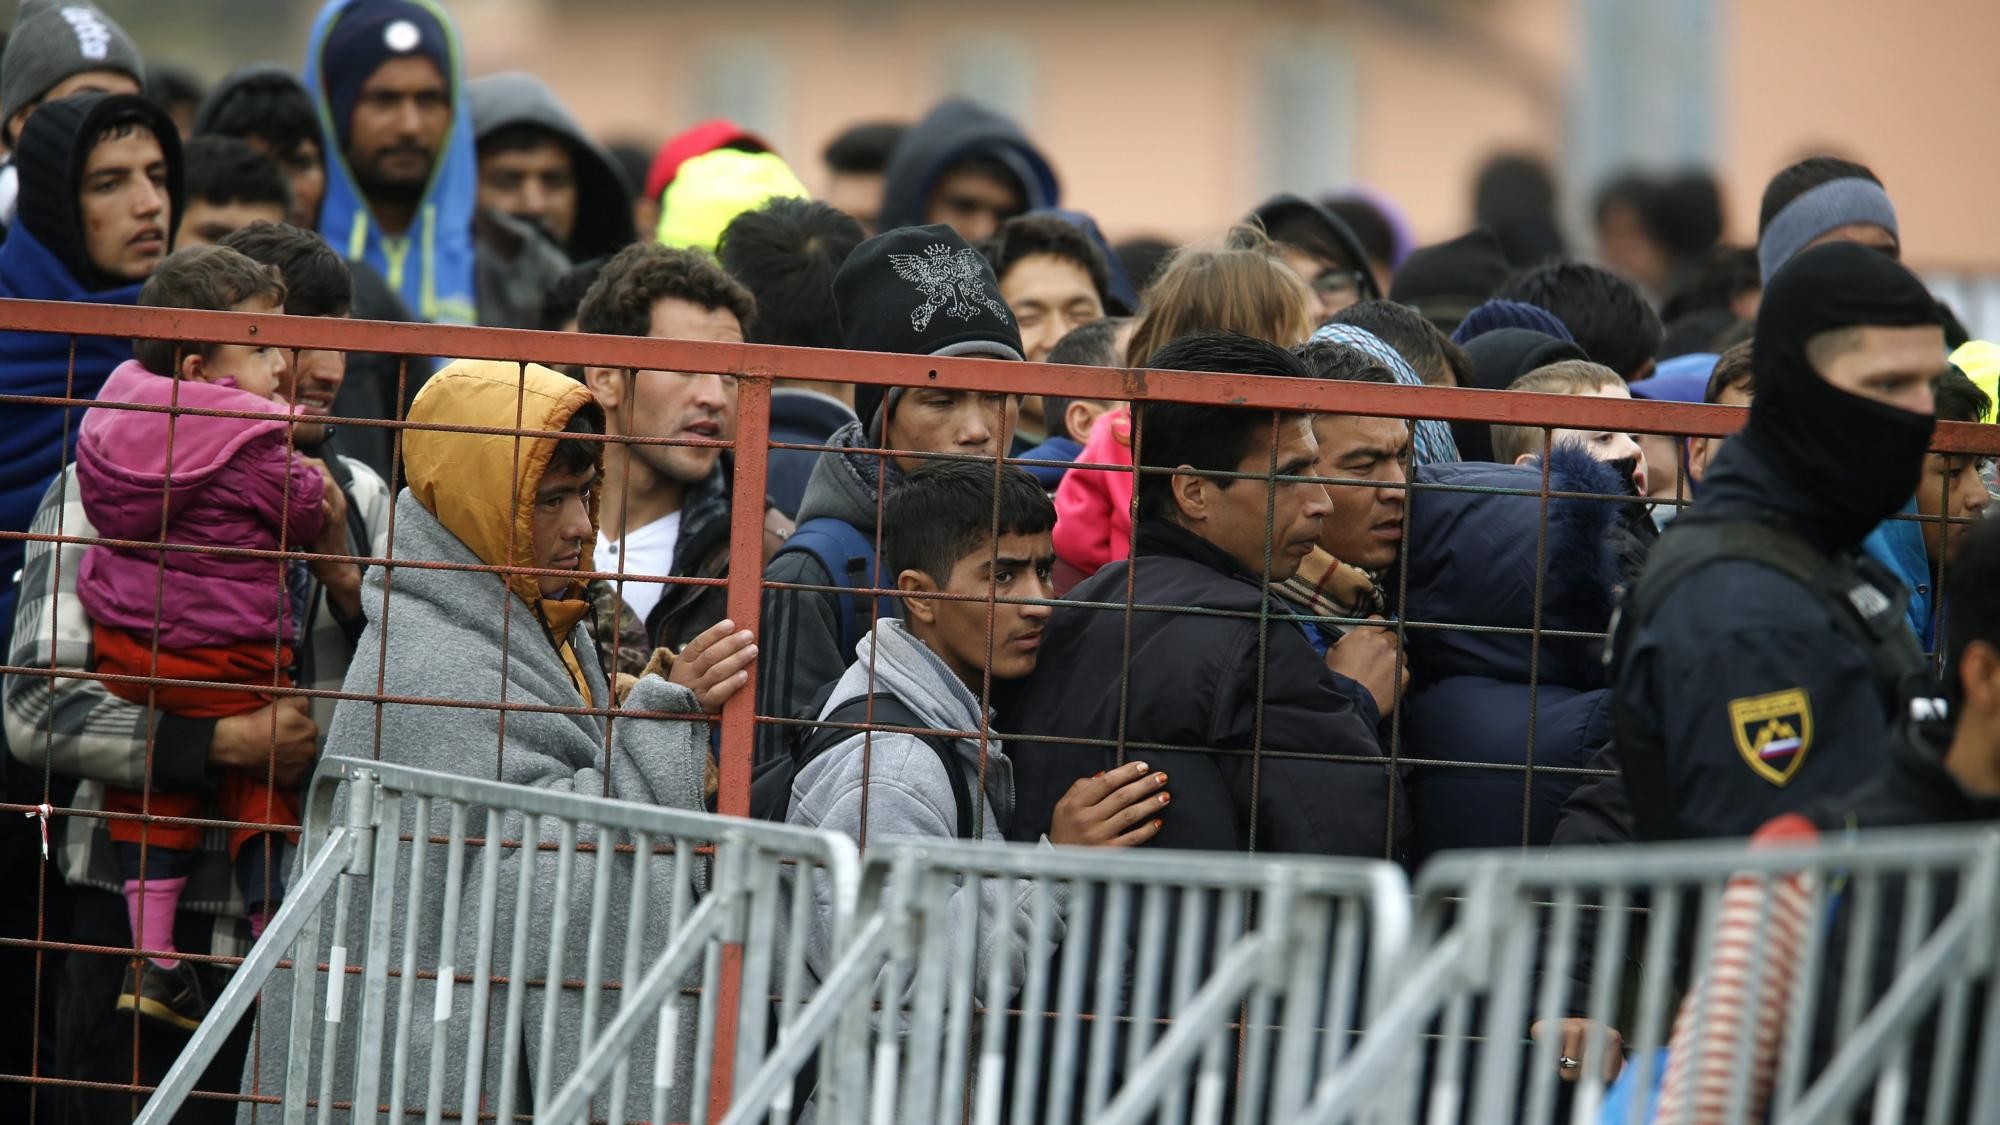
{"x":714,"y":665}
{"x":1576,"y":1041}
{"x":248,"y":741}
{"x":1118,"y":808}
{"x":1372,"y":656}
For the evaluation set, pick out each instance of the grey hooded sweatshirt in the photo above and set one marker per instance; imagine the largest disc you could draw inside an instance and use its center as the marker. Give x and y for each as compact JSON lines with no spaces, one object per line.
{"x":443,"y":639}
{"x":907,"y":793}
{"x":603,"y":200}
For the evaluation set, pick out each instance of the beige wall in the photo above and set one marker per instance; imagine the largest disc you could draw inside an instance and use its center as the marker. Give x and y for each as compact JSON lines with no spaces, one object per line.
{"x":1149,"y":109}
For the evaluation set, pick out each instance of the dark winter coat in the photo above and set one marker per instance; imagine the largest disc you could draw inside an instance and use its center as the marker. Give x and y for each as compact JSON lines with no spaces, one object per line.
{"x":1476,"y":696}
{"x":1194,"y":681}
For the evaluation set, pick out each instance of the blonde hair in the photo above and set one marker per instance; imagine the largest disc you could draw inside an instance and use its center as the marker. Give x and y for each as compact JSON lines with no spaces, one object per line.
{"x":1239,"y":285}
{"x":1568,"y":377}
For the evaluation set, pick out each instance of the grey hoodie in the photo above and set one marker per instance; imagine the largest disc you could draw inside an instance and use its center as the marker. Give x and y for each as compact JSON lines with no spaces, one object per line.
{"x":907,"y":793}
{"x":444,"y":641}
{"x":802,"y":627}
{"x":603,"y":200}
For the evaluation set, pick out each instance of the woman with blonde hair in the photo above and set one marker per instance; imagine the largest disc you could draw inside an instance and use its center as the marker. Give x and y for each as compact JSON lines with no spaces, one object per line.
{"x":1239,"y":284}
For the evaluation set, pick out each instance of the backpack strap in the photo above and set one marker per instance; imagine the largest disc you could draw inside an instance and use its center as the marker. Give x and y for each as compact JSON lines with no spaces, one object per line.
{"x":893,"y":712}
{"x":847,"y":554}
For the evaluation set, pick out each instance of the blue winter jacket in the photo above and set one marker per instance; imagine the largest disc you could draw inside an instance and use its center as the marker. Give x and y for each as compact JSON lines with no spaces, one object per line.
{"x":430,"y":266}
{"x":1899,"y":545}
{"x":37,"y":441}
{"x":1473,"y":562}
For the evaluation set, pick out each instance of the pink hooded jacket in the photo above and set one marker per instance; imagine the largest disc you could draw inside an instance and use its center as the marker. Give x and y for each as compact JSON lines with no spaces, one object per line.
{"x":1094,"y":506}
{"x":233,"y":483}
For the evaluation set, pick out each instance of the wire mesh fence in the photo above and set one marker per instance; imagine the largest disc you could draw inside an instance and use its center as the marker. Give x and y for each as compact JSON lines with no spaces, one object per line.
{"x":1415,"y":777}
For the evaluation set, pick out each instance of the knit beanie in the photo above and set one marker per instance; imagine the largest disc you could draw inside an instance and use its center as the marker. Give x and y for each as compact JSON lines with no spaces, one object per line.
{"x":53,"y":149}
{"x":922,"y":291}
{"x":368,"y":34}
{"x":1508,"y":314}
{"x":54,"y":39}
{"x":1450,"y":279}
{"x":1831,"y":205}
{"x":715,"y":187}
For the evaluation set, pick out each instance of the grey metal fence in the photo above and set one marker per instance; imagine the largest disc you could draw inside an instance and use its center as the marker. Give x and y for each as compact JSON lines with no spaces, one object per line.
{"x":1795,"y":984}
{"x":492,"y":950}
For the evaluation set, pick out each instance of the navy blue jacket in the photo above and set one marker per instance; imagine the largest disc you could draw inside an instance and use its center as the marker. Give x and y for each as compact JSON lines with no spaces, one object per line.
{"x":1472,"y":562}
{"x":1759,"y":705}
{"x":799,"y":417}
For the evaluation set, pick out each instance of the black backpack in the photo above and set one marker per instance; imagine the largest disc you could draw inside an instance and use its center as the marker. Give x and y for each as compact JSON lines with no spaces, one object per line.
{"x":1865,"y":604}
{"x":771,"y":781}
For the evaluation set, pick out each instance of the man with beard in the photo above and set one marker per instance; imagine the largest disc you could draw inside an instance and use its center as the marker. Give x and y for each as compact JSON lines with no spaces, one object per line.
{"x":1762,"y":659}
{"x":400,"y":191}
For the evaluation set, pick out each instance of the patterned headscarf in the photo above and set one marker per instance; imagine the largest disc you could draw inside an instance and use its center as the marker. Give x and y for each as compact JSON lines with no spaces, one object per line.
{"x":1431,"y":437}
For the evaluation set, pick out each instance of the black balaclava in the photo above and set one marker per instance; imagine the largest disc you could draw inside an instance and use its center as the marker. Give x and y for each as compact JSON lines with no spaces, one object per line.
{"x":1859,"y":459}
{"x":55,"y":145}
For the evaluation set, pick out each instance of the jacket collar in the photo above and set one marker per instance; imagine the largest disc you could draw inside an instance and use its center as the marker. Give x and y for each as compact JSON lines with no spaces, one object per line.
{"x":1165,"y":537}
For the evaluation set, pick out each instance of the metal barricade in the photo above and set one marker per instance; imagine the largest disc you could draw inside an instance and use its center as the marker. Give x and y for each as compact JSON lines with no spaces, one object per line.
{"x":584,"y":985}
{"x":1804,"y":977}
{"x":989,"y":983}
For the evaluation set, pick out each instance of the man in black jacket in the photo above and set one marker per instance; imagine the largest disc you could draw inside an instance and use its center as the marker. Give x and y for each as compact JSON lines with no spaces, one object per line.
{"x":1275,"y":753}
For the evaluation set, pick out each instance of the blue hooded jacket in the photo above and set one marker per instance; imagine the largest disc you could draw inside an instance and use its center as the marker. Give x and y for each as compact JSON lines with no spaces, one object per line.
{"x":1473,"y":562}
{"x":431,"y":265}
{"x":1899,"y":545}
{"x":37,"y":441}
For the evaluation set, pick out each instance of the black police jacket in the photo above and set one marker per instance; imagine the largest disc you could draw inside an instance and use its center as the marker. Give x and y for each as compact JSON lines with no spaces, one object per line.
{"x":1742,"y":683}
{"x":1194,"y":681}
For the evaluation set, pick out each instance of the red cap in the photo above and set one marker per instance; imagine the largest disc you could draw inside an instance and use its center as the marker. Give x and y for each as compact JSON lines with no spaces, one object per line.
{"x":692,"y":142}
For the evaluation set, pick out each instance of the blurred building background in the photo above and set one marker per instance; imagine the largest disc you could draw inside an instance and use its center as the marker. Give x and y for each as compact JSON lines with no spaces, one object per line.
{"x":1171,"y":117}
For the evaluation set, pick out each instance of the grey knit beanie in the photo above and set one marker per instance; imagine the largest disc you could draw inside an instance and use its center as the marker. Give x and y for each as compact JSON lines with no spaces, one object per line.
{"x":53,"y":39}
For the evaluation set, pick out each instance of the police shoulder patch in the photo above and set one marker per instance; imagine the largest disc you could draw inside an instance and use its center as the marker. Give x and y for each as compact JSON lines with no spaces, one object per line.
{"x":1773,"y":732}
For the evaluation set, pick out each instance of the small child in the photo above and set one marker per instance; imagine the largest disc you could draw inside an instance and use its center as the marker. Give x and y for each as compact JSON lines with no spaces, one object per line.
{"x":200,"y":481}
{"x":1094,"y":506}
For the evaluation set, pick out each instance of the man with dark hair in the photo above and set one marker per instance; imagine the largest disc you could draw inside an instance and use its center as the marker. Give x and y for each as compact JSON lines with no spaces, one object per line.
{"x":665,"y":507}
{"x":967,"y":167}
{"x":1918,"y":550}
{"x":1279,"y":754}
{"x":177,"y":90}
{"x":79,"y":728}
{"x":856,"y":161}
{"x":1774,"y":678}
{"x":882,"y":309}
{"x":1608,"y":317}
{"x":1051,"y":274}
{"x":537,"y":165}
{"x":1823,"y":199}
{"x":937,"y":669}
{"x":388,"y":77}
{"x":1320,"y":248}
{"x":267,"y":109}
{"x":786,"y":253}
{"x":229,"y":186}
{"x":1098,"y":343}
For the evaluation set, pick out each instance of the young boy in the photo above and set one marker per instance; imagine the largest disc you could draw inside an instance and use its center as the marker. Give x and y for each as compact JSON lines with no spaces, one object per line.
{"x":937,"y":537}
{"x":226,"y":619}
{"x":1520,"y":445}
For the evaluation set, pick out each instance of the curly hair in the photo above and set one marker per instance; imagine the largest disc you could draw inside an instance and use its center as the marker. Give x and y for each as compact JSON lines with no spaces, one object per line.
{"x":620,"y":302}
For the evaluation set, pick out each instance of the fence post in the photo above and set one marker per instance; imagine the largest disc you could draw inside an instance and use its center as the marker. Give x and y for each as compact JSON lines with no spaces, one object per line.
{"x":739,"y":717}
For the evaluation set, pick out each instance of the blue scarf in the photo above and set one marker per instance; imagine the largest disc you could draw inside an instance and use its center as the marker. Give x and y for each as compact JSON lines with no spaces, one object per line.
{"x":431,"y":265}
{"x":37,"y":441}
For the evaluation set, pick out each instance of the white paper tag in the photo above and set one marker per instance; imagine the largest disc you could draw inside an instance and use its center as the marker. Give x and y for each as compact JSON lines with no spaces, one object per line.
{"x":336,"y":963}
{"x":663,"y":1059}
{"x":442,"y":1011}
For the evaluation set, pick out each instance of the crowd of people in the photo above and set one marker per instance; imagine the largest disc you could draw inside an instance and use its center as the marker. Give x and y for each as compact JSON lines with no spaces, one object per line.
{"x":1787,"y":592}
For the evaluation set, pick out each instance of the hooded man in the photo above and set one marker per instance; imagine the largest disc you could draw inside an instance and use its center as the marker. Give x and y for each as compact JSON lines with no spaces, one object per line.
{"x":967,"y":167}
{"x":100,"y":195}
{"x":1321,"y":248}
{"x":497,"y":500}
{"x":917,"y":291}
{"x":388,"y":79}
{"x":1772,"y":677}
{"x":57,"y":49}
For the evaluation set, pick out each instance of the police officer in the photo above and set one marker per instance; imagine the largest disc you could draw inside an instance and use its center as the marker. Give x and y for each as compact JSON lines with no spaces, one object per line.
{"x":1758,"y":661}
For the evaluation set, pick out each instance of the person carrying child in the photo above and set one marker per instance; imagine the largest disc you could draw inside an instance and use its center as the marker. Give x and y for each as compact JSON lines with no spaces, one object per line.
{"x":223,"y":619}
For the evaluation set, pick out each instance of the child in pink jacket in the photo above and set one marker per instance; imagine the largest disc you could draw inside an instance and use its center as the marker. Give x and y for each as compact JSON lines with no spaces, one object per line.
{"x":1094,"y":506}
{"x":204,"y":481}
